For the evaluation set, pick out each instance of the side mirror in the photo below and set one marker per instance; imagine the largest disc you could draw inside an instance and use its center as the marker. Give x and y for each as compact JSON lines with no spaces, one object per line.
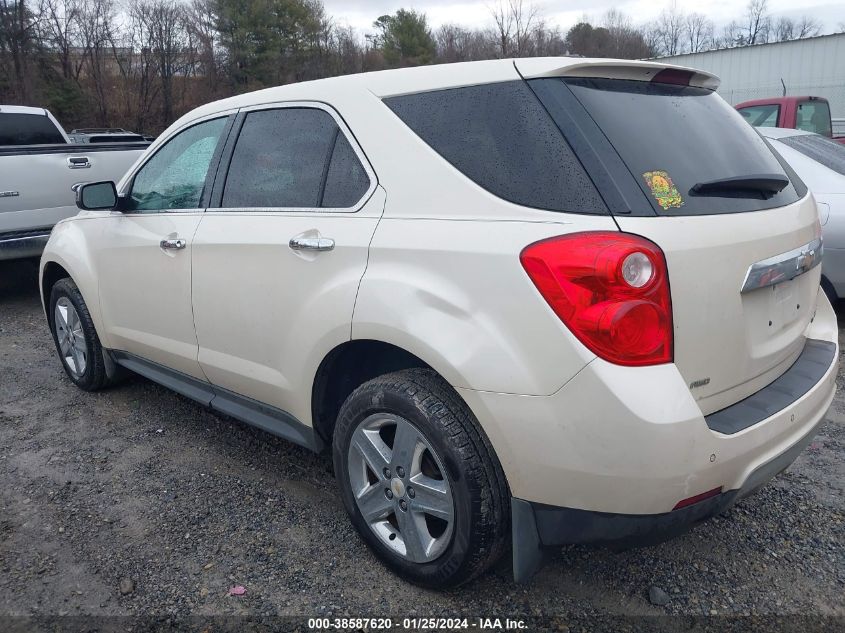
{"x":96,"y":196}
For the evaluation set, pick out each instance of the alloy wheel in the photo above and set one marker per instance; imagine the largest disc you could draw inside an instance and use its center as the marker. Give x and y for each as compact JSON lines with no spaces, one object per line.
{"x":71,"y":338}
{"x":401,"y":487}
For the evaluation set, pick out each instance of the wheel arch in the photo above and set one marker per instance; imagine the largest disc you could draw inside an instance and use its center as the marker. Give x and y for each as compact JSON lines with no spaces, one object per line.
{"x":67,"y":254}
{"x":344,"y":369}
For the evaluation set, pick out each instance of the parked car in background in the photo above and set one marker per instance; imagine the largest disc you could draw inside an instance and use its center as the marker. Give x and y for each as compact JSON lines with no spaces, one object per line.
{"x":811,"y":114}
{"x":39,"y":165}
{"x":105,"y":135}
{"x":820,"y":162}
{"x":500,"y":292}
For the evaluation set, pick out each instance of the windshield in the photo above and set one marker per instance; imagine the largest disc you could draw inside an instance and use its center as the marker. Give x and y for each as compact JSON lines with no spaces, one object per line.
{"x":822,"y":150}
{"x":675,"y":138}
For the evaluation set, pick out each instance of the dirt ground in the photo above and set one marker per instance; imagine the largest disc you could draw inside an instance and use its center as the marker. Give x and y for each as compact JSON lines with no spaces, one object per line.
{"x":137,"y":501}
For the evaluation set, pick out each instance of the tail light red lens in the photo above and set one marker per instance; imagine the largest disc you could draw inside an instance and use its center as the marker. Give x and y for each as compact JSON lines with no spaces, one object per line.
{"x":610,"y":289}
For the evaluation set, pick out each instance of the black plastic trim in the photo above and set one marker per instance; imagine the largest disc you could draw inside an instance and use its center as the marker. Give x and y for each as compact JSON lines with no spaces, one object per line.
{"x":221,"y":173}
{"x":814,"y":361}
{"x":270,"y":419}
{"x":211,"y":174}
{"x":601,"y":161}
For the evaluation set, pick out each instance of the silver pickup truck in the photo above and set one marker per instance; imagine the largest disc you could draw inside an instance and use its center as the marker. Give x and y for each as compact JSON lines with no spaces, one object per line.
{"x":38,"y":168}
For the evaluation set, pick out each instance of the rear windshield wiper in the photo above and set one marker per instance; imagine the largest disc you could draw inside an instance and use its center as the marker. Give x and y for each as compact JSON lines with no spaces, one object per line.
{"x":765,"y":184}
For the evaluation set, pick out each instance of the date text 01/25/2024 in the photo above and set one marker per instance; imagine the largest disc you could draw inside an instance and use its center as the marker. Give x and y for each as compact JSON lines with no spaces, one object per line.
{"x":417,"y":624}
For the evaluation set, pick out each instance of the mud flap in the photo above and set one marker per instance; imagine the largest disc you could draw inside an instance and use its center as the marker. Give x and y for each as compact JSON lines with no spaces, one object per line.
{"x":528,"y":554}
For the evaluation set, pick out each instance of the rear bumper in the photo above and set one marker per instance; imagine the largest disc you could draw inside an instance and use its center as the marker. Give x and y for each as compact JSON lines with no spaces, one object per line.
{"x":21,"y":244}
{"x":559,"y":526}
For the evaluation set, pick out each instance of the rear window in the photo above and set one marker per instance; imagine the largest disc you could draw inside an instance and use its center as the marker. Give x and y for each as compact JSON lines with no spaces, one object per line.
{"x":761,"y":115}
{"x":822,"y":150}
{"x":813,"y":116}
{"x":499,"y":136}
{"x":27,"y":129}
{"x":673,"y":138}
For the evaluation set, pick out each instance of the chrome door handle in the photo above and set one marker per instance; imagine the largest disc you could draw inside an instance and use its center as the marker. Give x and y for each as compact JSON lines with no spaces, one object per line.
{"x":173,"y":244}
{"x":311,"y":243}
{"x":78,"y":162}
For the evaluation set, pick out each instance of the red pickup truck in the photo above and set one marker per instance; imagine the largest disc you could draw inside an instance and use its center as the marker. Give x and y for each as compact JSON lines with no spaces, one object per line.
{"x":799,"y":113}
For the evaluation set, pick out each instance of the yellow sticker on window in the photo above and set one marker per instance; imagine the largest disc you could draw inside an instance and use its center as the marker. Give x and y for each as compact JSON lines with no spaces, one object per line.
{"x":663,"y":189}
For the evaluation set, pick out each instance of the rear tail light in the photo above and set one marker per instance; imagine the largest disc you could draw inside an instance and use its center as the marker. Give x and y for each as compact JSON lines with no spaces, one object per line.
{"x":610,"y":289}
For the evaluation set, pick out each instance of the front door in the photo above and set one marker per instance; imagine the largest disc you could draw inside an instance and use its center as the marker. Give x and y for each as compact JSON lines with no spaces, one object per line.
{"x":144,"y":252}
{"x":277,"y":263}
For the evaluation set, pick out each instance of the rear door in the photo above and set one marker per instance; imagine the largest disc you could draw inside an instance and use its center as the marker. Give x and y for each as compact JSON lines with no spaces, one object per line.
{"x":278,"y":258}
{"x":736,"y":225}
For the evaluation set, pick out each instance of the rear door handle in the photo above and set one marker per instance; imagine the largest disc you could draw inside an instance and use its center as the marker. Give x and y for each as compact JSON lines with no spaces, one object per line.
{"x":78,"y":162}
{"x":173,"y":244}
{"x":311,"y":243}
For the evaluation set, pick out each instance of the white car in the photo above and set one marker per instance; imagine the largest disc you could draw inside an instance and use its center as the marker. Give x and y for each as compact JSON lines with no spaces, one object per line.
{"x":820,"y":163}
{"x":524,"y":302}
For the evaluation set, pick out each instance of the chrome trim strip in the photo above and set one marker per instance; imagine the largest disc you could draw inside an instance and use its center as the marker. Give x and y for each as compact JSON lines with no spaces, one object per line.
{"x":783,"y":267}
{"x":21,"y":247}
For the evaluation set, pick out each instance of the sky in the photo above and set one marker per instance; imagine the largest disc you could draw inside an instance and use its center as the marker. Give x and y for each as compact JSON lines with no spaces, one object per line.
{"x":360,"y":14}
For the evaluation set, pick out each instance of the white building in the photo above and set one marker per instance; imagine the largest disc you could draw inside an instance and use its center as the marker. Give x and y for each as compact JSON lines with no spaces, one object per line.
{"x":813,"y":66}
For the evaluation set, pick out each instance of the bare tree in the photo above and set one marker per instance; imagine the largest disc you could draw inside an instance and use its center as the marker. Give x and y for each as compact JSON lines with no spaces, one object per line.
{"x":788,"y":29}
{"x":699,"y":32}
{"x":96,"y":21}
{"x":670,"y":30}
{"x":757,"y":22}
{"x":732,"y":35}
{"x":807,"y":27}
{"x":17,"y":34}
{"x":516,"y":22}
{"x":784,"y":29}
{"x":58,"y":30}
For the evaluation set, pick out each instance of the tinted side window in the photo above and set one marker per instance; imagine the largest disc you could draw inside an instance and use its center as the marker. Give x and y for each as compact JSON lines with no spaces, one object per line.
{"x":280,"y":159}
{"x":499,"y":136}
{"x":761,"y":115}
{"x":346,"y":180}
{"x":27,"y":129}
{"x":174,"y":177}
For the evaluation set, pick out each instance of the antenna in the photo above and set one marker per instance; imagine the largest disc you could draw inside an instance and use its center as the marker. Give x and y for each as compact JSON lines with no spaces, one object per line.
{"x":784,"y":87}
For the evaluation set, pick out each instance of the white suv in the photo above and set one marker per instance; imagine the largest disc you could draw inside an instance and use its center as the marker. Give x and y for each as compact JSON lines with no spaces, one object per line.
{"x":524,"y":302}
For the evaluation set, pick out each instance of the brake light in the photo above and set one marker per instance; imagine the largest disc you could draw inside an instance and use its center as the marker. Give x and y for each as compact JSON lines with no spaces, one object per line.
{"x":673,"y":76}
{"x":610,"y":289}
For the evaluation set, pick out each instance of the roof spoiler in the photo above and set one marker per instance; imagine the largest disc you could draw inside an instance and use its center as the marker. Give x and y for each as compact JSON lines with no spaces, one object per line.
{"x":610,"y":69}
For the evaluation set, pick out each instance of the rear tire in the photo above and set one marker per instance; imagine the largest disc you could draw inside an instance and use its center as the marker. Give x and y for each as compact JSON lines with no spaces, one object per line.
{"x":75,"y":338}
{"x":415,"y":431}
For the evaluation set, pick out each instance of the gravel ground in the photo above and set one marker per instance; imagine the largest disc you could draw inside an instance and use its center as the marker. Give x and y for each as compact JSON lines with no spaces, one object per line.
{"x":137,"y":501}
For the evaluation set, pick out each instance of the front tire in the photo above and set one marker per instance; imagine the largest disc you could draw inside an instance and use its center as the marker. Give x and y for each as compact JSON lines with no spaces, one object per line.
{"x":419,"y":480}
{"x":75,"y":338}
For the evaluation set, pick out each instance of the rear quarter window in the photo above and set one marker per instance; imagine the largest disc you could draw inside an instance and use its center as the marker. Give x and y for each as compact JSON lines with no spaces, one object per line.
{"x":761,"y":115}
{"x":499,"y":136}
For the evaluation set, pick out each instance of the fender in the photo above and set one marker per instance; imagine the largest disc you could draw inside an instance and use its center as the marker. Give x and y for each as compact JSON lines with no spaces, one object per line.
{"x":68,"y":247}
